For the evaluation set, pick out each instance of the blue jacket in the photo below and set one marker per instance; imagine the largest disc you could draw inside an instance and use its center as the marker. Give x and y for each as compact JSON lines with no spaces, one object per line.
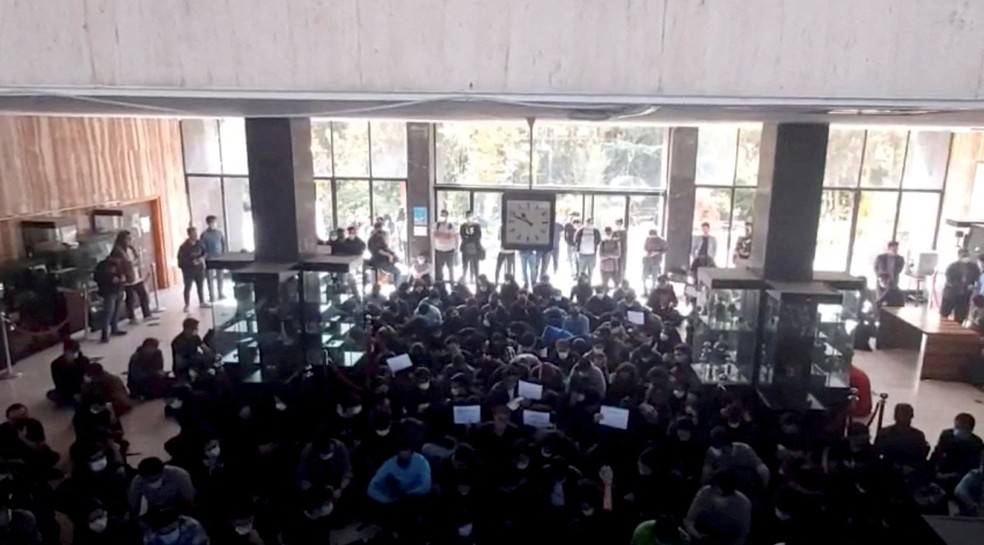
{"x":392,"y":482}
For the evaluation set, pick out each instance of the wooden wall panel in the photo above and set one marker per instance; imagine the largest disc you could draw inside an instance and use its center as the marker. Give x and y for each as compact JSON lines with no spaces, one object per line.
{"x":63,"y":166}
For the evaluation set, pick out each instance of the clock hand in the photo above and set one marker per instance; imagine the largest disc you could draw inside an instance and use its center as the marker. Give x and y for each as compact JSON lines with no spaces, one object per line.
{"x":517,"y":216}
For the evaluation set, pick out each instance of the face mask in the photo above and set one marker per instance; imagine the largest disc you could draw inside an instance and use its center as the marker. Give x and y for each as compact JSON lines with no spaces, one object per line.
{"x":680,"y":358}
{"x":522,"y":463}
{"x":424,"y":386}
{"x":734,"y":425}
{"x":175,"y":404}
{"x":99,"y":525}
{"x":87,"y":379}
{"x":782,"y":515}
{"x":645,"y":470}
{"x":587,"y":511}
{"x":563,"y":354}
{"x":679,"y":394}
{"x":383,"y":432}
{"x":243,"y":529}
{"x":327,"y":455}
{"x":245,"y":413}
{"x":597,"y":350}
{"x":456,"y":392}
{"x":664,"y":337}
{"x":98,"y":465}
{"x":320,"y":512}
{"x":350,"y":412}
{"x":213,"y":452}
{"x":465,"y":530}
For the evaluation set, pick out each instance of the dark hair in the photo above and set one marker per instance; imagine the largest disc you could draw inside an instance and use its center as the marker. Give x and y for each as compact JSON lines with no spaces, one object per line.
{"x":191,"y":230}
{"x":893,"y":244}
{"x":16,"y":407}
{"x":967,"y":420}
{"x":150,"y":467}
{"x":189,"y":322}
{"x":904,"y":411}
{"x":210,"y":218}
{"x":71,"y":345}
{"x":705,"y":224}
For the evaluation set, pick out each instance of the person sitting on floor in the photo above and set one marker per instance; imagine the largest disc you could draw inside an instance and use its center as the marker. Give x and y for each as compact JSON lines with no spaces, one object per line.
{"x":901,"y":445}
{"x":957,"y":452}
{"x":106,"y":387}
{"x":188,"y":350}
{"x":22,"y":439}
{"x":67,"y":372}
{"x":145,"y":374}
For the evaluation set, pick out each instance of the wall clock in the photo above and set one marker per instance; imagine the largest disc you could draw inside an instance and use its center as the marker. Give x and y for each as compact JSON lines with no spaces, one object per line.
{"x":528,"y":220}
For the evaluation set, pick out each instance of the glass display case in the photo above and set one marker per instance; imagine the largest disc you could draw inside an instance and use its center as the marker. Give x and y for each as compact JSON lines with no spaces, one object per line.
{"x":725,"y":323}
{"x":840,"y":331}
{"x":331,"y":308}
{"x":803,"y":328}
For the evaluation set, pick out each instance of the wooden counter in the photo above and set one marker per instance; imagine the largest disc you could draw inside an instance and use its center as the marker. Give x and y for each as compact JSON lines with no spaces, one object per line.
{"x":946,"y":349}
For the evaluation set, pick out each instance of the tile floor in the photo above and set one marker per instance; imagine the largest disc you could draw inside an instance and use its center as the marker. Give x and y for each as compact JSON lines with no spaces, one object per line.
{"x":892,"y":372}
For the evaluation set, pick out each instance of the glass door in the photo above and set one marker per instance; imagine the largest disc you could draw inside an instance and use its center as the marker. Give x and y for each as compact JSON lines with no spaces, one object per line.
{"x":487,"y":208}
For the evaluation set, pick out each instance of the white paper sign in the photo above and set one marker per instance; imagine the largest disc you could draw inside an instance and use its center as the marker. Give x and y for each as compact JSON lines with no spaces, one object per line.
{"x":636,"y":317}
{"x":537,"y":419}
{"x":529,"y":390}
{"x":467,"y":414}
{"x":399,"y":363}
{"x":515,"y":403}
{"x":614,"y":417}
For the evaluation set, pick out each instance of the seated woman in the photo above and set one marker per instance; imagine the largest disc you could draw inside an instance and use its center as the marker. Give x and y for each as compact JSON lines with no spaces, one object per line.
{"x":146,"y":376}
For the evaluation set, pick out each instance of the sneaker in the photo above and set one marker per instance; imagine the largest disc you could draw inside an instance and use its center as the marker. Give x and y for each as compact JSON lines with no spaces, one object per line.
{"x":118,"y":333}
{"x":185,"y":309}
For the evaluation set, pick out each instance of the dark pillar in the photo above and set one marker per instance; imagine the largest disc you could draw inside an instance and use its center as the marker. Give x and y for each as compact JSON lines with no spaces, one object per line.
{"x":281,"y":187}
{"x":787,"y":200}
{"x":420,"y":176}
{"x":681,"y":196}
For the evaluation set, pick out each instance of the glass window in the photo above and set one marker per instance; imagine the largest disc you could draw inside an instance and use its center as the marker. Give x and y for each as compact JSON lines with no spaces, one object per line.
{"x":324,"y":215}
{"x":389,"y":149}
{"x":350,"y":148}
{"x":200,"y":141}
{"x":749,"y":142}
{"x":716,"y":152}
{"x":352,"y":201}
{"x":741,"y":214}
{"x":876,"y":221}
{"x":714,"y":207}
{"x":455,"y":202}
{"x":389,"y":201}
{"x":239,"y":215}
{"x":321,"y":148}
{"x":596,"y":155}
{"x":607,"y":209}
{"x":884,"y":155}
{"x":483,"y":153}
{"x":205,"y":195}
{"x":834,"y":230}
{"x":567,"y":204}
{"x":918,"y":214}
{"x":926,"y":160}
{"x":645,"y":213}
{"x":844,"y":150}
{"x":233,"y":133}
{"x":487,"y":211}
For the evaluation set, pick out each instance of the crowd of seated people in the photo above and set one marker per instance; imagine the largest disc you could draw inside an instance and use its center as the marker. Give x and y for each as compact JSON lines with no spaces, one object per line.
{"x":376,"y":447}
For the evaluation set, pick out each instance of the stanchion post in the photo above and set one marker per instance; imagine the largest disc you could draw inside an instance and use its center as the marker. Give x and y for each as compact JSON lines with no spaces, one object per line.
{"x":7,"y":373}
{"x":153,"y":278}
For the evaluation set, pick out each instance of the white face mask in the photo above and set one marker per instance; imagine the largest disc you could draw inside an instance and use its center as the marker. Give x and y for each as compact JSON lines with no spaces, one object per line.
{"x":280,"y":405}
{"x":320,"y":512}
{"x":213,"y":452}
{"x":562,"y":354}
{"x":175,"y":404}
{"x":598,"y":350}
{"x":664,"y":337}
{"x":327,"y":455}
{"x":465,"y":530}
{"x":383,"y":432}
{"x":679,"y":394}
{"x":782,"y":515}
{"x":424,"y":386}
{"x":243,"y":529}
{"x":98,"y":465}
{"x":99,"y":525}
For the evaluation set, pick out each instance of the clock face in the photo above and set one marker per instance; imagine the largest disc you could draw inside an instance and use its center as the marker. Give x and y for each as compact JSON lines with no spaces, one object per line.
{"x":527,"y":222}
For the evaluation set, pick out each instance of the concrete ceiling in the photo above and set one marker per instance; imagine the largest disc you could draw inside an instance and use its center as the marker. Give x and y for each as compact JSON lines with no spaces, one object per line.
{"x":437,"y":108}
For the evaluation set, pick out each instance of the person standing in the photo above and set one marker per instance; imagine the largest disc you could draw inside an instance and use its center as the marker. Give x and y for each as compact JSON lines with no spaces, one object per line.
{"x":472,"y":252}
{"x":961,"y":276}
{"x":586,"y":240}
{"x":743,"y":248}
{"x":214,"y":242}
{"x":191,"y":261}
{"x":610,"y":251}
{"x":704,"y":249}
{"x":134,"y":287}
{"x":890,"y":263}
{"x":445,"y":244}
{"x":109,"y":282}
{"x":620,"y":235}
{"x":571,"y":228}
{"x":528,"y":262}
{"x":554,"y":251}
{"x":652,"y":263}
{"x":507,"y":258}
{"x":380,"y":255}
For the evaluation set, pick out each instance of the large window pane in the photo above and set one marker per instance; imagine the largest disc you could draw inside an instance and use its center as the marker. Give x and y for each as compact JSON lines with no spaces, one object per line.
{"x":321,"y":147}
{"x":925,"y":162}
{"x":352,"y":201}
{"x":749,"y":142}
{"x":844,"y":150}
{"x":389,"y":149}
{"x":456,"y":203}
{"x":233,"y":133}
{"x":487,"y":211}
{"x":239,"y":215}
{"x":350,"y":146}
{"x":716,"y":151}
{"x":876,"y":219}
{"x":834,"y":231}
{"x":596,"y":155}
{"x":645,"y":213}
{"x":608,"y":209}
{"x":205,"y":194}
{"x":200,"y":139}
{"x":917,"y":221}
{"x":741,"y":215}
{"x":483,"y":153}
{"x":568,"y":204}
{"x":324,"y":215}
{"x":884,"y":154}
{"x":389,"y":201}
{"x":713,"y":206}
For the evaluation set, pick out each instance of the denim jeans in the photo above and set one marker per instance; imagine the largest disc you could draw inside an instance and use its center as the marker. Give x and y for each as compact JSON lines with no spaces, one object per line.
{"x":528,"y":264}
{"x":586,"y":265}
{"x":111,"y":315}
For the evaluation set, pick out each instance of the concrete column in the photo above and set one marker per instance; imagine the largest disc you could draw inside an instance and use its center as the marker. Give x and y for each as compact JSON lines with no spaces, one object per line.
{"x":787,"y":201}
{"x":681,"y":196}
{"x":420,"y":187}
{"x":281,"y":187}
